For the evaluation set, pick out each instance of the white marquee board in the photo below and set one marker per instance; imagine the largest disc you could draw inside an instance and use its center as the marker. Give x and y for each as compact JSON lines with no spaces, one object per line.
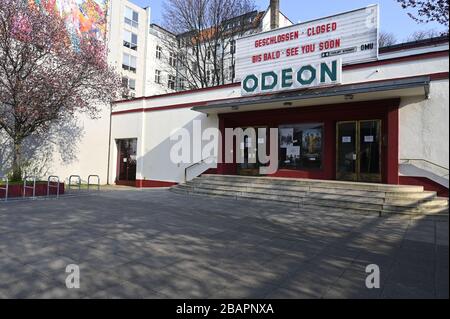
{"x":351,"y":37}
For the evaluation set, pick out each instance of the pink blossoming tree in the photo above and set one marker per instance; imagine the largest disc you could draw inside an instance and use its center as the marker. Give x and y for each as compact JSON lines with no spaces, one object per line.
{"x":43,"y":77}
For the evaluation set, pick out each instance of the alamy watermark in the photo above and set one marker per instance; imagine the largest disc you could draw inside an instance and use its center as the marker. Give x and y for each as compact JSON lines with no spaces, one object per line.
{"x":249,"y":145}
{"x":73,"y":279}
{"x":373,"y":279}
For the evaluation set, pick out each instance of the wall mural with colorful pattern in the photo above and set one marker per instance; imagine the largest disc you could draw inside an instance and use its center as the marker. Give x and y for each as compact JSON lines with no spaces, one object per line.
{"x":81,"y":16}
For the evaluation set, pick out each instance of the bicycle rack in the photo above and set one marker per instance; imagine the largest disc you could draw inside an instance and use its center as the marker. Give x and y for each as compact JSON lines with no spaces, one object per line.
{"x":98,"y":182}
{"x":25,"y":186}
{"x":70,"y":182}
{"x":49,"y":181}
{"x":2,"y":178}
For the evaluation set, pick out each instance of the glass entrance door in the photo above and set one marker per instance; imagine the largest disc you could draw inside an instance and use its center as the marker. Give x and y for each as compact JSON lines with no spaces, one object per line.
{"x":127,"y":150}
{"x":346,"y":151}
{"x":358,"y":156}
{"x":249,"y":148}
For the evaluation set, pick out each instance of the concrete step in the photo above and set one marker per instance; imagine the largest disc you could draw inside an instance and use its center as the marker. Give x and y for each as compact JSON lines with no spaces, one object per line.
{"x":355,"y":197}
{"x":287,"y":193}
{"x":434,"y":206}
{"x":310,"y":189}
{"x":310,"y":203}
{"x":415,"y":202}
{"x":415,"y":211}
{"x":317,"y":194}
{"x":315,"y":183}
{"x":326,"y":200}
{"x":411,"y":195}
{"x":286,"y":187}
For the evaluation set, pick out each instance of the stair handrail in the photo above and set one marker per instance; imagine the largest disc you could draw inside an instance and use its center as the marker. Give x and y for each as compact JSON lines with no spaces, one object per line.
{"x":193,"y":165}
{"x":70,"y":182}
{"x":409,"y":160}
{"x":25,"y":186}
{"x":49,"y":181}
{"x":89,"y":182}
{"x":6,"y":188}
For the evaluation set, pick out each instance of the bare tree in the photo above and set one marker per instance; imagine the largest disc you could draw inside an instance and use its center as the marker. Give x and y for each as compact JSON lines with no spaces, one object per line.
{"x":424,"y":34}
{"x":43,"y":77}
{"x":206,"y":31}
{"x":427,"y":10}
{"x":386,"y":39}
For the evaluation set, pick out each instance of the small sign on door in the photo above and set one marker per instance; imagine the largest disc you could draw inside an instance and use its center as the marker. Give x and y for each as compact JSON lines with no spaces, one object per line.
{"x":346,"y":139}
{"x":369,"y":139}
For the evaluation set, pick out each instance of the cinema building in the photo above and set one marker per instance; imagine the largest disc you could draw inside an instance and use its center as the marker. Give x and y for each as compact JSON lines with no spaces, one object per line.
{"x":344,"y":110}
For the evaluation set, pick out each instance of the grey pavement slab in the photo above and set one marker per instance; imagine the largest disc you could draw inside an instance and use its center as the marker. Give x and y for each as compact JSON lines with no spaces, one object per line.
{"x":133,"y":243}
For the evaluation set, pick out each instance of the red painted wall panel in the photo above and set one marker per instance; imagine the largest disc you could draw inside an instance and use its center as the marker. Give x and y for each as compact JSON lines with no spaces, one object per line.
{"x":428,"y":184}
{"x":41,"y":190}
{"x":385,"y":110}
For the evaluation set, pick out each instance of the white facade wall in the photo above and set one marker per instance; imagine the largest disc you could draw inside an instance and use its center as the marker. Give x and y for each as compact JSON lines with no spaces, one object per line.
{"x":158,"y":38}
{"x":91,"y":151}
{"x":423,"y":122}
{"x":424,"y":134}
{"x":283,"y":20}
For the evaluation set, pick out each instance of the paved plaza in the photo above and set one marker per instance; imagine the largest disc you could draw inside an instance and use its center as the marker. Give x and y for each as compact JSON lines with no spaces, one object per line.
{"x":156,"y":244}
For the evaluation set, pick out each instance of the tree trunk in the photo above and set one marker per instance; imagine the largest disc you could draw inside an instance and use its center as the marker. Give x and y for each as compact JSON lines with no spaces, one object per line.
{"x":17,"y":161}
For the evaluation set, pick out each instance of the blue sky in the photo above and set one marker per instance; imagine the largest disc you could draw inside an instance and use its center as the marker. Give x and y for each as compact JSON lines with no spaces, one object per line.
{"x":393,"y":18}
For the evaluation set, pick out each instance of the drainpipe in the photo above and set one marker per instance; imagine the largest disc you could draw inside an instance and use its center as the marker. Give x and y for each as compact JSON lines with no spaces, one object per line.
{"x":109,"y":144}
{"x":274,"y":14}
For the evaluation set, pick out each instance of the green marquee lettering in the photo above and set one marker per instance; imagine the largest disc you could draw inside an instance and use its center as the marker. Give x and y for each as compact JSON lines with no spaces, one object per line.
{"x":286,"y":78}
{"x":302,"y":71}
{"x":314,"y":74}
{"x":246,"y":87}
{"x":265,"y":76}
{"x":325,"y":70}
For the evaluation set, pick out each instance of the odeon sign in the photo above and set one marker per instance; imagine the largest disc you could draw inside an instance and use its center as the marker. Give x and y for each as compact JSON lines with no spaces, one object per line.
{"x":304,"y":76}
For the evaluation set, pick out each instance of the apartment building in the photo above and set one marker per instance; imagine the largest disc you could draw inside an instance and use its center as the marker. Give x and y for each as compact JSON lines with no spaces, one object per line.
{"x":174,"y":64}
{"x":127,"y":37}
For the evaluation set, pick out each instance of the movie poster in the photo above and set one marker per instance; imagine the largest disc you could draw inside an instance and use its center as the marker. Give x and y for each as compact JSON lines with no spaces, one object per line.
{"x":312,"y":141}
{"x":286,"y":137}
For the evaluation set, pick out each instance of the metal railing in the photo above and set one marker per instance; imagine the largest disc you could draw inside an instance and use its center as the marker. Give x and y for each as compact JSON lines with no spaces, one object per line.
{"x":203,"y":161}
{"x":69,"y":187}
{"x":98,"y":181}
{"x":6,"y":188}
{"x":49,"y":185}
{"x":25,"y":186}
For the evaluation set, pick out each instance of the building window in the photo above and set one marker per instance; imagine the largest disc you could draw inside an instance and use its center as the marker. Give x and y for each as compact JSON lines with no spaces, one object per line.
{"x":194,"y":68}
{"x":301,"y":146}
{"x":129,"y":62}
{"x":132,"y":84}
{"x":171,"y":82}
{"x":182,"y":84}
{"x":130,"y":40}
{"x":208,"y":76}
{"x":158,"y":52}
{"x":158,"y":76}
{"x":131,"y":17}
{"x":172,"y":59}
{"x":231,"y":72}
{"x":129,"y":84}
{"x":233,"y":46}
